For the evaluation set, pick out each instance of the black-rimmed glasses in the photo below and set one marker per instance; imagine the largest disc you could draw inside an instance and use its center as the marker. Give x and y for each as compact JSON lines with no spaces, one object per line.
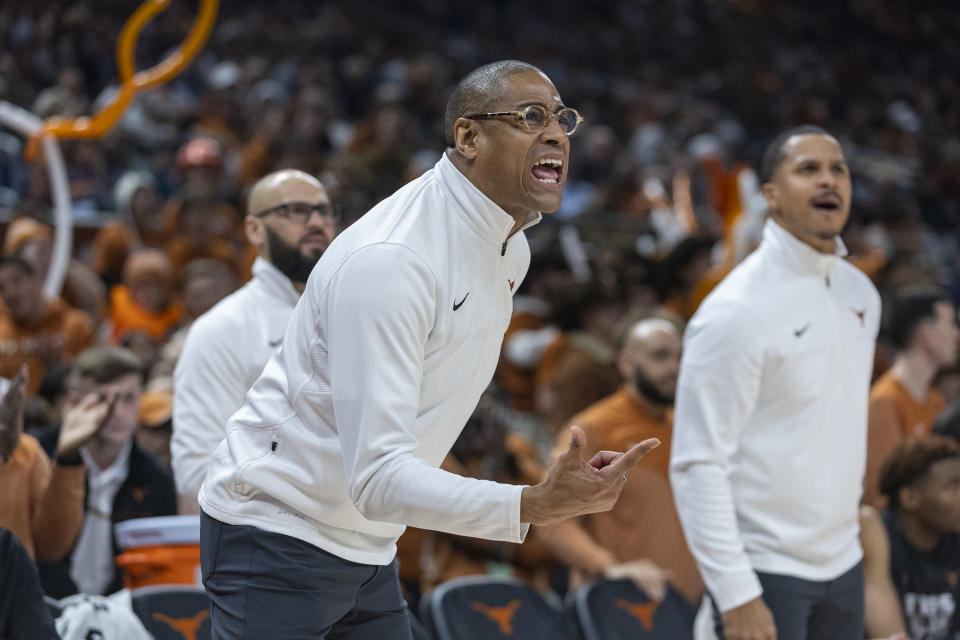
{"x":300,"y":212}
{"x":535,"y":118}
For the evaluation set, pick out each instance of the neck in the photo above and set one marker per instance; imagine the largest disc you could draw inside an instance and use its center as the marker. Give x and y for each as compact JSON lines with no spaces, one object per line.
{"x":104,"y":453}
{"x":299,"y":286}
{"x":919,"y":535}
{"x":655,"y":410}
{"x":915,"y":371}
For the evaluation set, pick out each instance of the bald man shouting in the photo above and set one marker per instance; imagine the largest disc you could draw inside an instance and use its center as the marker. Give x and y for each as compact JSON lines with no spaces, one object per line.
{"x":290,"y":221}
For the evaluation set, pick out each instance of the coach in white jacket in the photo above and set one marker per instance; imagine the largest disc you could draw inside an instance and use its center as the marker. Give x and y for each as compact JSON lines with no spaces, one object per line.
{"x":394,"y":339}
{"x":770,"y":430}
{"x":290,"y":222}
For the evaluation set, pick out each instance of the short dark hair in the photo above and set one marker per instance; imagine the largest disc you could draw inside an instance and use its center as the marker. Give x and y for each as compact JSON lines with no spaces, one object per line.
{"x":479,"y":89}
{"x":102,"y":365}
{"x":775,"y":154}
{"x":947,"y":422}
{"x":910,"y":462}
{"x":909,"y":309}
{"x":15,"y":259}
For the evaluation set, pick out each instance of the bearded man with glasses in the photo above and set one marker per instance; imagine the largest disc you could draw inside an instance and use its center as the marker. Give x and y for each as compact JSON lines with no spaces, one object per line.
{"x":290,"y":222}
{"x":395,"y":338}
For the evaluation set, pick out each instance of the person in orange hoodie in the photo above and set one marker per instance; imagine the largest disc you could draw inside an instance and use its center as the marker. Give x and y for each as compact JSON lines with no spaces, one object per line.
{"x":34,"y":330}
{"x":145,"y":301}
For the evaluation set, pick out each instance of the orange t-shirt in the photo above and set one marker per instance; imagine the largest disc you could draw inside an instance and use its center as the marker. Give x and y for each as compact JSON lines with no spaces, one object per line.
{"x":127,"y":316}
{"x":40,"y":504}
{"x":644,"y":522}
{"x":61,"y":334}
{"x":895,"y":416}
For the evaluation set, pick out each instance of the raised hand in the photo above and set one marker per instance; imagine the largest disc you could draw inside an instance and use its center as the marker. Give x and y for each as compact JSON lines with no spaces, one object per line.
{"x":575,"y":486}
{"x":82,"y":421}
{"x":11,"y":414}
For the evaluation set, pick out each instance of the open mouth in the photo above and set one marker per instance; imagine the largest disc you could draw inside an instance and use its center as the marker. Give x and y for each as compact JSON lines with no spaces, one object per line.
{"x":827,"y":204}
{"x":548,"y":170}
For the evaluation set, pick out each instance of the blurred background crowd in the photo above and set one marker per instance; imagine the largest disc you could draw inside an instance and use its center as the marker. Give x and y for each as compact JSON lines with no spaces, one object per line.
{"x":662,"y":199}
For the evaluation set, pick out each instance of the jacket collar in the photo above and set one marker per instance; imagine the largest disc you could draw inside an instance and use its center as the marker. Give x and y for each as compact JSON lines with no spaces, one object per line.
{"x":273,"y":282}
{"x":797,"y":254}
{"x":481,"y":213}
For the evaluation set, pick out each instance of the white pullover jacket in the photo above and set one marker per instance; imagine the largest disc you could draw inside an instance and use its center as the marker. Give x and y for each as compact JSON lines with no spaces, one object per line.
{"x":769,"y":440}
{"x":222,"y":357}
{"x":386,"y":355}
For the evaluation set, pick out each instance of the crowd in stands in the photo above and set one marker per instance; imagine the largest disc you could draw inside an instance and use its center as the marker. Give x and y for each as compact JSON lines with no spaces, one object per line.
{"x":679,"y":100}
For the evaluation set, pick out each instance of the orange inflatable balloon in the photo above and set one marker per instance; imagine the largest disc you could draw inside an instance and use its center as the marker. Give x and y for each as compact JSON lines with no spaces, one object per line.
{"x":98,"y":125}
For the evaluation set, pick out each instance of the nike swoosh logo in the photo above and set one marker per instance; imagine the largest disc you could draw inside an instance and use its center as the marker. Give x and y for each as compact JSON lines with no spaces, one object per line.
{"x":275,"y":343}
{"x":457,"y":305}
{"x":802,"y":330}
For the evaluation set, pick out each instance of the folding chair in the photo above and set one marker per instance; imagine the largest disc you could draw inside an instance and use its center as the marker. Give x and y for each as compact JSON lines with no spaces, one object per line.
{"x":617,"y":609}
{"x":173,"y":612}
{"x":491,"y":608}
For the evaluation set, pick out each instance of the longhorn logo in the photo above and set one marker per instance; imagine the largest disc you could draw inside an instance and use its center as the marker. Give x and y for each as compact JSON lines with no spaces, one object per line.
{"x":642,"y":612}
{"x":861,"y":314}
{"x":503,"y":616}
{"x":187,"y":627}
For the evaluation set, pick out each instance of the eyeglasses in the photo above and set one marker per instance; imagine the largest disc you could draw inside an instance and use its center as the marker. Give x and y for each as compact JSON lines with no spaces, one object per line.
{"x":300,"y":212}
{"x":536,"y":118}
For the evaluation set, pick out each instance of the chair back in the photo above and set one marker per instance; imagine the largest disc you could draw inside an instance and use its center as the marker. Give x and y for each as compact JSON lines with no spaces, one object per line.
{"x":493,"y":608}
{"x":173,"y":612}
{"x":617,"y":609}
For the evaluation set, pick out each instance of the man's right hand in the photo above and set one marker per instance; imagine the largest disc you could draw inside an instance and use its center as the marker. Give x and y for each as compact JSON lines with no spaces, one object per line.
{"x":575,"y":486}
{"x":82,"y":421}
{"x":749,"y":621}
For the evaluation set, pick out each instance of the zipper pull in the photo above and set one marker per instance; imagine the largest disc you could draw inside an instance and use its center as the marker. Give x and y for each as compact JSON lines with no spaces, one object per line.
{"x":503,"y":249}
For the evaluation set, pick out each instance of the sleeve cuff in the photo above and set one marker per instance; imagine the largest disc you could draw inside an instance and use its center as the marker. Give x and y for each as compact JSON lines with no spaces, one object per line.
{"x":735,"y":590}
{"x":519,"y":529}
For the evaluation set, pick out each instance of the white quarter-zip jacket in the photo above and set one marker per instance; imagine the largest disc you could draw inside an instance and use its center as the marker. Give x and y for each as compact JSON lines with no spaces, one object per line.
{"x":222,"y":357}
{"x":386,"y":355}
{"x":769,"y":441}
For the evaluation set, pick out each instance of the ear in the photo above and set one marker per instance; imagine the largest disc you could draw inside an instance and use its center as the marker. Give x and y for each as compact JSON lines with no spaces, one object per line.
{"x":254,"y":231}
{"x":465,"y":134}
{"x":769,"y":192}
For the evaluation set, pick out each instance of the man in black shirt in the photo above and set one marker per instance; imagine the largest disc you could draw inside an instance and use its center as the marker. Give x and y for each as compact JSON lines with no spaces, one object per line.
{"x":921,"y":534}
